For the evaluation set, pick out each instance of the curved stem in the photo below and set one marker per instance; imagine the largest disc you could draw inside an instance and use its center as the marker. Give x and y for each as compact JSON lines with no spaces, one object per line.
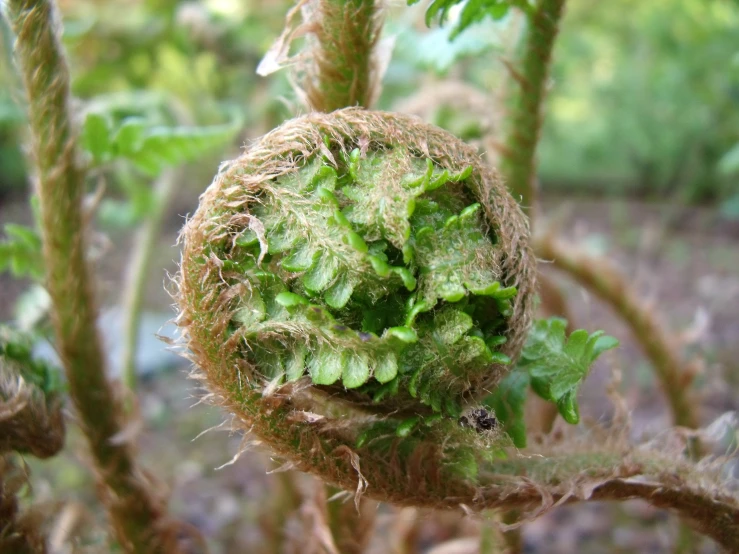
{"x":534,"y":483}
{"x":342,"y":66}
{"x":599,"y":275}
{"x":524,"y":120}
{"x":138,"y":516}
{"x":138,"y":270}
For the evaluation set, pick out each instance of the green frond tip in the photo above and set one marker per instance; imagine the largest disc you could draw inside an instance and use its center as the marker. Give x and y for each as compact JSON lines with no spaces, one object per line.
{"x":379,"y":268}
{"x":20,"y":252}
{"x":557,"y":364}
{"x":472,"y":12}
{"x":554,"y":365}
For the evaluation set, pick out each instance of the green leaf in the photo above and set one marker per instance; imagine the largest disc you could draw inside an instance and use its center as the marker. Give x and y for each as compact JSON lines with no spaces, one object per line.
{"x":151,"y":149}
{"x":473,"y":11}
{"x":16,"y":350}
{"x":95,"y":137}
{"x":21,"y":252}
{"x":322,"y":273}
{"x":290,"y":300}
{"x":557,"y":365}
{"x":386,"y":368}
{"x":452,"y":271}
{"x":403,"y":334}
{"x":281,"y":238}
{"x":356,"y":370}
{"x":356,"y":241}
{"x":295,"y":366}
{"x":252,"y":310}
{"x":338,"y":294}
{"x":406,"y":426}
{"x":450,"y":325}
{"x":326,"y":366}
{"x":301,"y":259}
{"x":129,"y":136}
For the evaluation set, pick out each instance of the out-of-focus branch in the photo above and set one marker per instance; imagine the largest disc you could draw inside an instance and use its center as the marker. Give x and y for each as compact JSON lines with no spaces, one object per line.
{"x":529,"y":82}
{"x":138,"y":270}
{"x":137,"y":512}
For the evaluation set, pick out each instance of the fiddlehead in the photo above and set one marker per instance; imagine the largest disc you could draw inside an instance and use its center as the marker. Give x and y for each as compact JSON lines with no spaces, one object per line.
{"x":302,"y":275}
{"x":367,"y":254}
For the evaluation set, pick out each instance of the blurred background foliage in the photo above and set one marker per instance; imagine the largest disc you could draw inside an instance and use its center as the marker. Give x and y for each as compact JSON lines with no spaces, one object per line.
{"x":645,"y":97}
{"x":644,"y":106}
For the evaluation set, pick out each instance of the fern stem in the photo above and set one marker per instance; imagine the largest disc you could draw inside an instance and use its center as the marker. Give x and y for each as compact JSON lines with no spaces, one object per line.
{"x":18,"y":534}
{"x":513,"y":538}
{"x":347,"y":32}
{"x":351,"y":524}
{"x":518,"y":163}
{"x":140,"y":263}
{"x":598,"y":275}
{"x":138,"y":516}
{"x":416,"y":477}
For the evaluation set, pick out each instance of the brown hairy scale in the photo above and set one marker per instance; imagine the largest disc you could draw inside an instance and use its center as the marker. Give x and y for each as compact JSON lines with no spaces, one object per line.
{"x":316,"y":430}
{"x":223,"y":207}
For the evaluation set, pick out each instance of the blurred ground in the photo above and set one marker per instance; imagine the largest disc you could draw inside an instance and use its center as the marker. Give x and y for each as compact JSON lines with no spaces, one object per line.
{"x":684,"y":261}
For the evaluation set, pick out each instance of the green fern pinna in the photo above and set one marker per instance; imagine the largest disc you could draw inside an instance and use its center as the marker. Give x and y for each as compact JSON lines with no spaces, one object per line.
{"x":372,"y":272}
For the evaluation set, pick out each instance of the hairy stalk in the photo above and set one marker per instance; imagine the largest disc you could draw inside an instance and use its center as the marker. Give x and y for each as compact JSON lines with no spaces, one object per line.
{"x":598,"y":275}
{"x":513,"y":539}
{"x":523,"y":125}
{"x":518,"y":160}
{"x":138,"y":269}
{"x":19,"y":533}
{"x":138,"y":516}
{"x":524,"y":120}
{"x":532,"y":484}
{"x":286,"y":500}
{"x":351,"y":523}
{"x":342,"y":72}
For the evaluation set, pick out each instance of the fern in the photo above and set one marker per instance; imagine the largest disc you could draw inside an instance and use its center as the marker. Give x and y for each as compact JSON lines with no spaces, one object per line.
{"x":151,"y":148}
{"x":554,"y":365}
{"x":472,"y":11}
{"x":20,"y":252}
{"x":16,"y":348}
{"x":384,"y":273}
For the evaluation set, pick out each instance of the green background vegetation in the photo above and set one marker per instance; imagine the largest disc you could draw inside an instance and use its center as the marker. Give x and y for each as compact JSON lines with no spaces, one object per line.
{"x":645,"y":97}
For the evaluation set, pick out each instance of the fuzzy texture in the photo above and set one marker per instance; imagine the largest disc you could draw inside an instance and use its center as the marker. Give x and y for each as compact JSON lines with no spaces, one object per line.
{"x":526,"y":102}
{"x":137,"y":509}
{"x":237,"y":209}
{"x":30,"y":421}
{"x":20,"y":533}
{"x":355,"y":445}
{"x":341,"y":72}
